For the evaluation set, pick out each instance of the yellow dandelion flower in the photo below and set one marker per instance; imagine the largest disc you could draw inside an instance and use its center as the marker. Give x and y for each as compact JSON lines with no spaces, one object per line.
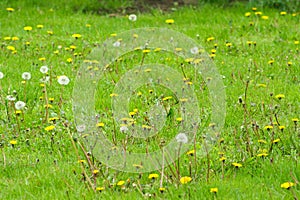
{"x":170,"y":21}
{"x":10,"y":9}
{"x":191,"y":152}
{"x":50,"y":32}
{"x":268,"y":127}
{"x":258,"y":13}
{"x":69,"y":60}
{"x":237,"y":165}
{"x":185,"y":179}
{"x":42,"y":59}
{"x":40,"y":26}
{"x":295,"y":120}
{"x":281,"y":127}
{"x":279,"y":96}
{"x":296,"y":42}
{"x":265,"y":17}
{"x":254,"y":8}
{"x":262,"y":141}
{"x":153,"y":176}
{"x":167,"y":98}
{"x":157,"y":49}
{"x":7,"y":38}
{"x":76,"y":35}
{"x":49,"y":128}
{"x":247,"y":14}
{"x":262,"y":155}
{"x":162,"y":190}
{"x":283,"y":13}
{"x":261,"y":85}
{"x":146,"y":51}
{"x":95,"y":171}
{"x":13,"y":142}
{"x":113,"y":95}
{"x":276,"y":141}
{"x":100,"y":189}
{"x":120,"y":183}
{"x":100,"y":124}
{"x":88,"y":25}
{"x":213,"y":190}
{"x":179,"y":119}
{"x":14,"y":38}
{"x":210,"y":39}
{"x":287,"y":185}
{"x":11,"y":48}
{"x":27,"y":28}
{"x":222,"y":159}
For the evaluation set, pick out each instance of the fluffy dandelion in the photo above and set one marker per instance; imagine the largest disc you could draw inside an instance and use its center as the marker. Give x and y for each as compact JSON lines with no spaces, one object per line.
{"x":194,"y":50}
{"x":10,"y":98}
{"x":26,"y":76}
{"x":182,"y":138}
{"x":63,"y":80}
{"x":1,"y":75}
{"x":19,"y":105}
{"x":44,"y":69}
{"x":132,"y":17}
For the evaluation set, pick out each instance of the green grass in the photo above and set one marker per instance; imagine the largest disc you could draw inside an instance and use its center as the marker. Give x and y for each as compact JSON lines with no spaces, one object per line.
{"x":44,"y":164}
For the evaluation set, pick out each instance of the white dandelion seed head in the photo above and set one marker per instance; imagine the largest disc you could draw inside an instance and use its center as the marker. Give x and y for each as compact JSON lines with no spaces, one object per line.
{"x":63,"y":80}
{"x":11,"y":98}
{"x":182,"y":138}
{"x":19,"y":105}
{"x":123,"y":129}
{"x":117,"y":44}
{"x":45,"y":79}
{"x":80,"y":128}
{"x":26,"y":76}
{"x":1,"y":75}
{"x":44,"y":69}
{"x":194,"y":50}
{"x":132,"y":17}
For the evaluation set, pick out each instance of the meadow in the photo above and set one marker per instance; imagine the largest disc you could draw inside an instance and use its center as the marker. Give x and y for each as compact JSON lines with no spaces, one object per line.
{"x":255,"y":146}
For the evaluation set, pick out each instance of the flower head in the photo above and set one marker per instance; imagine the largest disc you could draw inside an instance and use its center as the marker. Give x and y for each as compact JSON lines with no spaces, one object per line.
{"x":170,"y":21}
{"x":11,"y":98}
{"x":63,"y":80}
{"x":27,"y":28}
{"x":181,"y":138}
{"x":26,"y":76}
{"x":132,"y":17}
{"x":44,"y":69}
{"x":185,"y":179}
{"x":287,"y":185}
{"x":10,"y":9}
{"x":1,"y":75}
{"x":76,"y":36}
{"x":153,"y":176}
{"x":213,"y":190}
{"x":19,"y":105}
{"x":237,"y":165}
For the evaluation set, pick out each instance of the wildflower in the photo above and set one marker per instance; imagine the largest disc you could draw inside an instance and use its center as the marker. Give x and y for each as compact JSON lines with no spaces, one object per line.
{"x":167,"y":98}
{"x":213,"y":190}
{"x":191,"y":152}
{"x":113,"y":95}
{"x":123,"y":128}
{"x":279,"y":96}
{"x":265,"y":17}
{"x":258,"y":13}
{"x":289,"y":63}
{"x":48,"y":106}
{"x":181,"y":138}
{"x":95,"y":171}
{"x":185,"y":179}
{"x":44,"y":69}
{"x":49,"y":128}
{"x":100,"y":124}
{"x":120,"y":183}
{"x":7,"y":38}
{"x":18,"y":112}
{"x":26,"y":76}
{"x":153,"y":176}
{"x":113,"y":35}
{"x":157,"y":49}
{"x":27,"y":28}
{"x":40,"y":26}
{"x":63,"y":80}
{"x":271,"y":62}
{"x":247,"y":14}
{"x":146,"y":51}
{"x":50,"y":32}
{"x":88,"y":25}
{"x":69,"y":60}
{"x":42,"y":59}
{"x":251,"y":23}
{"x":254,"y":8}
{"x":222,"y":159}
{"x":10,"y":98}
{"x":81,"y":161}
{"x":53,"y":119}
{"x":170,"y":21}
{"x":281,"y":128}
{"x":283,"y":13}
{"x":237,"y":165}
{"x":100,"y":189}
{"x":138,"y":166}
{"x":228,"y":44}
{"x":117,"y":44}
{"x":179,"y":119}
{"x":261,"y":85}
{"x":132,"y":17}
{"x":10,"y":9}
{"x":295,"y":120}
{"x":262,"y":155}
{"x":268,"y":127}
{"x":162,"y":190}
{"x":210,"y":39}
{"x":76,"y":36}
{"x":275,"y":141}
{"x":19,"y":105}
{"x":287,"y":185}
{"x":1,"y":75}
{"x":11,"y":48}
{"x":296,"y":42}
{"x":14,"y":38}
{"x":262,"y":141}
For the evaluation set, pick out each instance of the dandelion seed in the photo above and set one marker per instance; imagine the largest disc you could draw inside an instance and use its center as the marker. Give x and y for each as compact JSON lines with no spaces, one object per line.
{"x":132,"y":17}
{"x":63,"y":80}
{"x":19,"y":105}
{"x":81,"y":128}
{"x":185,"y":179}
{"x":182,"y":138}
{"x":44,"y":69}
{"x":10,"y":98}
{"x":194,"y":50}
{"x":123,"y":128}
{"x":1,"y":75}
{"x":26,"y":76}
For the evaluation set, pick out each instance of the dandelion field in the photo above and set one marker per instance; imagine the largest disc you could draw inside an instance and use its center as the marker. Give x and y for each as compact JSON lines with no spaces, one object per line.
{"x":256,"y":155}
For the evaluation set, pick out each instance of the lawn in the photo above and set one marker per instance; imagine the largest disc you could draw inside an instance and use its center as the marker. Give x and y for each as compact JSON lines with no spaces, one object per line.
{"x":215,"y":91}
